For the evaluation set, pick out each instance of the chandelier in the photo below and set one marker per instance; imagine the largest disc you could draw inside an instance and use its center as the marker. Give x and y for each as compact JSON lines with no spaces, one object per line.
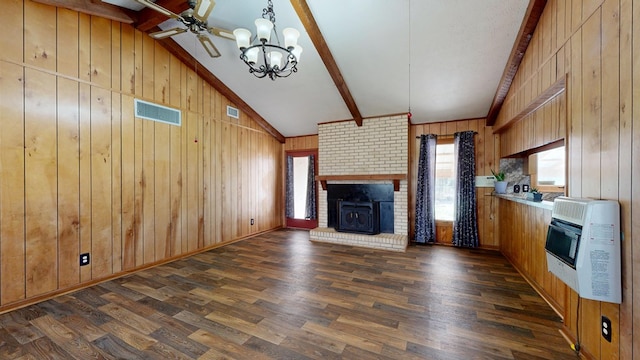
{"x":263,"y":57}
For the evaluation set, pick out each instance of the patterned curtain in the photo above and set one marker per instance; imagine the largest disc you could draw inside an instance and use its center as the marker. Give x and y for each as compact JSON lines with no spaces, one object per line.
{"x":289,"y":199}
{"x":425,"y":195}
{"x":310,"y":210}
{"x":465,"y":224}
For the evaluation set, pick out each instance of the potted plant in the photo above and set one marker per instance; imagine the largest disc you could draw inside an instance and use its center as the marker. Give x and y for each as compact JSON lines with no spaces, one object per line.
{"x":537,"y":195}
{"x":500,"y":185}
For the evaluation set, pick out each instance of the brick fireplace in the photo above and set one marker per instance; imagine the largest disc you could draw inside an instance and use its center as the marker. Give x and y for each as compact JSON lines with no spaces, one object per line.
{"x":375,"y":153}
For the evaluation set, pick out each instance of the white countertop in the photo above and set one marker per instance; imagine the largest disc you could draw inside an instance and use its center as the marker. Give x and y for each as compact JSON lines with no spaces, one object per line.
{"x":521,"y":198}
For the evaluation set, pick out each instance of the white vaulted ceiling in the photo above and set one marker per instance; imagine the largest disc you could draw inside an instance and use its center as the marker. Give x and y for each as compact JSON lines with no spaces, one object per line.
{"x":443,"y":58}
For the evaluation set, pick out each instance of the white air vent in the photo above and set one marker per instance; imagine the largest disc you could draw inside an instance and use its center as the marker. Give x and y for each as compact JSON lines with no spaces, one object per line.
{"x":570,"y":209}
{"x":155,"y":112}
{"x":233,"y":112}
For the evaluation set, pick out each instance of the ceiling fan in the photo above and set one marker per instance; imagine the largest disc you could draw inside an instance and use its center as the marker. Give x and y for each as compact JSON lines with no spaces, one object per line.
{"x":195,"y":20}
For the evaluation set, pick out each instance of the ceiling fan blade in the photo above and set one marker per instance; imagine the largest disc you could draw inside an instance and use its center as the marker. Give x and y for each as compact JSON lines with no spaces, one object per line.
{"x":203,"y":9}
{"x":166,"y":33}
{"x":159,"y":9}
{"x":223,"y":33}
{"x":208,"y":45}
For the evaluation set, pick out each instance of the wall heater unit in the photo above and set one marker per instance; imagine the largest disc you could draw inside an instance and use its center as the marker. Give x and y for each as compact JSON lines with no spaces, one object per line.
{"x":583,"y":247}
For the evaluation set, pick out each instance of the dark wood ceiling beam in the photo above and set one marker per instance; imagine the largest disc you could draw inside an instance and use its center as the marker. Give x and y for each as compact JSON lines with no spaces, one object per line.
{"x":529,"y":23}
{"x":217,"y":84}
{"x":94,"y":7}
{"x":149,"y":18}
{"x":310,"y":25}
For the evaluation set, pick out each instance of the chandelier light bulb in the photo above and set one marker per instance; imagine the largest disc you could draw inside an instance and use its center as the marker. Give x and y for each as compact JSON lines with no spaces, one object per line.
{"x":291,"y":36}
{"x":275,"y":59}
{"x":297,"y":50}
{"x":263,"y":29}
{"x":243,"y":38}
{"x":252,"y":55}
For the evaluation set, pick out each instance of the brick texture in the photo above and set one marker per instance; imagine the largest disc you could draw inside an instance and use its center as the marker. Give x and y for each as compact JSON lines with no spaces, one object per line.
{"x":379,"y":146}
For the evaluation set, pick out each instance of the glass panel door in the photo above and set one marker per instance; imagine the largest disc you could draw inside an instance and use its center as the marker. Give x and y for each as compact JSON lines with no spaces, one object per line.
{"x":303,"y":197}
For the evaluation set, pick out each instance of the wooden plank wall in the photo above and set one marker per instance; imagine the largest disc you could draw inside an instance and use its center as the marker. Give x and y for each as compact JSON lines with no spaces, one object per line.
{"x":542,"y":127}
{"x":79,"y":173}
{"x":487,"y":157}
{"x":308,"y":142}
{"x":596,"y":44}
{"x":523,"y":233}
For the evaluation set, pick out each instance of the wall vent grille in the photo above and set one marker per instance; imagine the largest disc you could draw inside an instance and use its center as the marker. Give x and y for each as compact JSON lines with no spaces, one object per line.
{"x":155,"y":112}
{"x":233,"y":112}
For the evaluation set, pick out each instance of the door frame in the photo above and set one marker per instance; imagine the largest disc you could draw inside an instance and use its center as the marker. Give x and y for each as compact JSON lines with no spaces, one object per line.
{"x":301,"y":223}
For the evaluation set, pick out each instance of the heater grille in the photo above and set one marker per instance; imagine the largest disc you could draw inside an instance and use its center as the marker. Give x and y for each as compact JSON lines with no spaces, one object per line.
{"x":155,"y":112}
{"x":571,"y":210}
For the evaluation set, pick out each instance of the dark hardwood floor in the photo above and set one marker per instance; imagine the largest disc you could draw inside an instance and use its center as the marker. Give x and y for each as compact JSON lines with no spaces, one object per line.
{"x":279,"y":296}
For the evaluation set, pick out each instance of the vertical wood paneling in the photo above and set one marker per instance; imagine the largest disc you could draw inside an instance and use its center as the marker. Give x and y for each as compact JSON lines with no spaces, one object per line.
{"x":207,"y":166}
{"x":192,"y":181}
{"x":101,"y":52}
{"x":12,"y":184}
{"x":599,"y":57}
{"x":148,"y":189}
{"x":84,"y":47}
{"x":67,"y":37}
{"x":592,"y":101}
{"x":240,"y":195}
{"x":218,"y":223}
{"x":101,"y":206}
{"x":162,"y":191}
{"x":591,"y":127}
{"x":575,"y":116}
{"x":233,"y":180}
{"x":308,"y":142}
{"x":68,"y":185}
{"x":128,"y":60}
{"x":85,"y":177}
{"x":627,"y":79}
{"x":40,"y":37}
{"x":176,"y":189}
{"x":12,"y":39}
{"x":116,"y":51}
{"x":116,"y":147}
{"x":610,"y":140}
{"x":40,"y":183}
{"x":128,"y":191}
{"x":523,"y":233}
{"x":199,"y":179}
{"x":635,"y":192}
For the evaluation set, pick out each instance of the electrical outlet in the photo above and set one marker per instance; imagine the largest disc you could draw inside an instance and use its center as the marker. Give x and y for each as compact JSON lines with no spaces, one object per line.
{"x":85,"y":259}
{"x":606,"y":328}
{"x":252,"y":222}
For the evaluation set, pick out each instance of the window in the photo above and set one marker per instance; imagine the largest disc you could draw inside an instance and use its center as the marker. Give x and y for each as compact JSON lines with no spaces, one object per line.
{"x":547,"y":169}
{"x":445,"y":188}
{"x":551,"y":167}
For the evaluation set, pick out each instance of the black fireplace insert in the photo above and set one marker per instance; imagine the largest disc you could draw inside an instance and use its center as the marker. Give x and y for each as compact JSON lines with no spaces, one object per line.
{"x":381,"y":193}
{"x":359,"y":217}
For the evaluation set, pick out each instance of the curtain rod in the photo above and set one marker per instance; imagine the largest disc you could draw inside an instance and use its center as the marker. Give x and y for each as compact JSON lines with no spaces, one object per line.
{"x":446,"y":135}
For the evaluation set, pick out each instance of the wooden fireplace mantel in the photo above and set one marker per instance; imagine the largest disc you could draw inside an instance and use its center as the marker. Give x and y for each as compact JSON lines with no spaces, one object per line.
{"x":393,"y":177}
